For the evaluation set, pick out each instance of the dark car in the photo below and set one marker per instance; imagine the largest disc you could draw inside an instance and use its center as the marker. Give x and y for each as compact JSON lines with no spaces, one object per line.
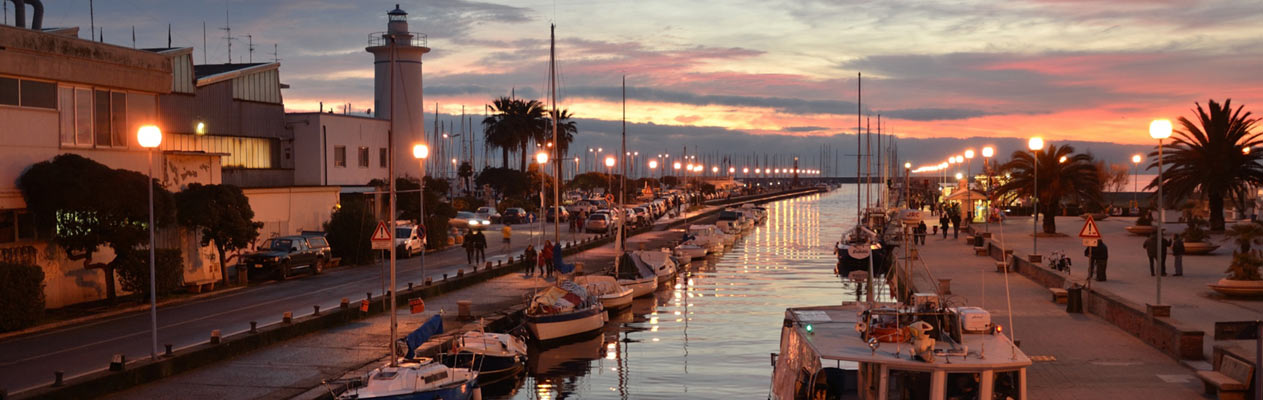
{"x":513,"y":216}
{"x":552,"y":214}
{"x":280,"y":257}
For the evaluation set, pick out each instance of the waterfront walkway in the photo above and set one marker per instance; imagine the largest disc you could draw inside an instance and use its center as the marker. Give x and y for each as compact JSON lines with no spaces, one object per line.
{"x":1076,"y":356}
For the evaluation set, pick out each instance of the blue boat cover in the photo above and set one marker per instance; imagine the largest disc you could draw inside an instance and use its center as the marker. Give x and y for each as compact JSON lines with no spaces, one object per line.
{"x":557,"y":263}
{"x":431,"y":327}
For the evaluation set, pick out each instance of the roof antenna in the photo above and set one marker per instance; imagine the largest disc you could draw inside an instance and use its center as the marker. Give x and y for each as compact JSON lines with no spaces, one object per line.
{"x":250,"y":47}
{"x":133,"y":36}
{"x":227,"y":32}
{"x":91,"y":19}
{"x":204,"y":42}
{"x":276,"y":54}
{"x":168,"y":35}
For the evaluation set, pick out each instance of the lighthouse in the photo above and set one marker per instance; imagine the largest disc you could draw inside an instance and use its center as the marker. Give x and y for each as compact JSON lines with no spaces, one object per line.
{"x":397,"y":86}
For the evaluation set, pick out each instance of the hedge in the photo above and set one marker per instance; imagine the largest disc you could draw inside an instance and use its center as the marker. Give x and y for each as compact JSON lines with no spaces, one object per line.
{"x":133,"y":270}
{"x":21,"y":296}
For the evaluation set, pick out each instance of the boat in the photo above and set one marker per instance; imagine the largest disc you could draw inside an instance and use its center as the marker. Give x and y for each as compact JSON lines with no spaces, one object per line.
{"x":893,"y":351}
{"x":637,"y":276}
{"x":707,"y":236}
{"x":613,"y":297}
{"x":690,"y":251}
{"x":414,"y":377}
{"x":491,"y":354}
{"x":852,"y":257}
{"x":661,"y":262}
{"x":563,"y":311}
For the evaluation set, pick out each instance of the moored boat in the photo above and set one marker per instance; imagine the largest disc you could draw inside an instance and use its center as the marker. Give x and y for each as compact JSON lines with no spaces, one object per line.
{"x":491,"y":354}
{"x":608,"y":291}
{"x":415,"y":377}
{"x":563,"y":311}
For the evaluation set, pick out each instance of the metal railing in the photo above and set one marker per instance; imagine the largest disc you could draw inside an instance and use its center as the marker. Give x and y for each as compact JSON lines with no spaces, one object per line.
{"x":383,"y":39}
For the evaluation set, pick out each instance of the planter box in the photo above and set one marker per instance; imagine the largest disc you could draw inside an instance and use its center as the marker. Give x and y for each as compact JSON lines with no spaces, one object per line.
{"x":1199,"y":248}
{"x":1141,"y":230}
{"x":1230,"y":287}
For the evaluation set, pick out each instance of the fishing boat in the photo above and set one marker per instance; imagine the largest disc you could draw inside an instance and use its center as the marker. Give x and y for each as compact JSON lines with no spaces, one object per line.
{"x":894,"y":351}
{"x":491,"y":354}
{"x":613,"y":297}
{"x":414,"y":377}
{"x":563,"y":311}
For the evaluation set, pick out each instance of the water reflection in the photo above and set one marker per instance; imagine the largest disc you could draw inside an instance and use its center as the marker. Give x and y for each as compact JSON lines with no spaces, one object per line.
{"x":708,"y":334}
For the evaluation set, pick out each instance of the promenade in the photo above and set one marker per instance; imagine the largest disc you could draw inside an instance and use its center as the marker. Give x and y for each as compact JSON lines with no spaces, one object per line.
{"x":1192,"y":303}
{"x":1076,"y":356}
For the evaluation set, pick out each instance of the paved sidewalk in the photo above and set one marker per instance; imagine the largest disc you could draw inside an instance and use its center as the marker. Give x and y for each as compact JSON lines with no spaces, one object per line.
{"x":1077,"y":356}
{"x":1192,"y":302}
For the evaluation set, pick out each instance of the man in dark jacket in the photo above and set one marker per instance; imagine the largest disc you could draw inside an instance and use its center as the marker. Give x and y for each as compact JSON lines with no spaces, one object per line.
{"x":1098,"y":256}
{"x":1177,"y":250}
{"x":955,"y":226}
{"x":921,"y":230}
{"x":480,"y":246}
{"x":943,"y":221}
{"x":467,"y":241}
{"x":1157,"y":254}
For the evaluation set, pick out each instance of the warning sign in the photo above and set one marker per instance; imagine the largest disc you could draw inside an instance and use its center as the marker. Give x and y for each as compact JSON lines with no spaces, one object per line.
{"x":1089,"y":230}
{"x":381,"y":237}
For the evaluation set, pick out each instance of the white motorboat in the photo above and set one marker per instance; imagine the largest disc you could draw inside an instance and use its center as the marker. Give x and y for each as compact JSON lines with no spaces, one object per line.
{"x":711,"y":237}
{"x":412,"y":377}
{"x":563,"y":311}
{"x":607,"y":290}
{"x":690,"y":251}
{"x":659,"y":261}
{"x":487,"y":352}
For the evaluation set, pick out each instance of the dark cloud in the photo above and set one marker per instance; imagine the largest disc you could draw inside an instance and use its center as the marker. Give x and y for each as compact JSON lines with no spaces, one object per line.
{"x":803,"y":128}
{"x":933,"y":114}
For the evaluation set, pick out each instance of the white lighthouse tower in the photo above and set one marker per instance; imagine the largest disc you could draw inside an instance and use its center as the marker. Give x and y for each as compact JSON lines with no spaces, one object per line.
{"x":397,"y":86}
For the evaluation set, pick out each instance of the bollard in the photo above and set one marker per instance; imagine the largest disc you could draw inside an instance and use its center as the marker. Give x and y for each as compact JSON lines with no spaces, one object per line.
{"x":409,"y":286}
{"x":429,"y":281}
{"x":254,"y":326}
{"x":444,"y":276}
{"x":316,"y":310}
{"x":214,"y":337}
{"x":460,"y":272}
{"x":369,"y":296}
{"x":498,"y":262}
{"x":287,"y":317}
{"x":488,"y":266}
{"x":464,"y":310}
{"x":168,"y":353}
{"x":475,"y":268}
{"x":57,"y":377}
{"x":118,"y":362}
{"x":345,"y":303}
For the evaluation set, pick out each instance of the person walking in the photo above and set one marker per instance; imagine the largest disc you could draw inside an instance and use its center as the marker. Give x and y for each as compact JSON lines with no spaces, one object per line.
{"x":943,"y":222}
{"x":507,"y":233}
{"x":480,"y":247}
{"x":920,"y":235}
{"x":1177,"y":250}
{"x":547,"y":255}
{"x":955,"y":226}
{"x":1151,"y":249}
{"x":1098,"y":257}
{"x":467,"y":241}
{"x":531,"y":258}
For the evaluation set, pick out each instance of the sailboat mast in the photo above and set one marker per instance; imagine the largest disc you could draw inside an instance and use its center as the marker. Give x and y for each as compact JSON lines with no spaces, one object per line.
{"x":552,"y":85}
{"x":859,"y":122}
{"x":881,"y":169}
{"x":390,"y":181}
{"x":622,"y":184}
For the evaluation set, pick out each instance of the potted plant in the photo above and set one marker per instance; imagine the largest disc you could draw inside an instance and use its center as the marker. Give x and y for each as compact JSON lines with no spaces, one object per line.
{"x":1243,"y":273}
{"x":1195,"y":238}
{"x":1144,"y":224}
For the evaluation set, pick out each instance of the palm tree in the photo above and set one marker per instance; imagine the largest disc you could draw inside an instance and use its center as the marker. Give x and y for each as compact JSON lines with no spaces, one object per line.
{"x":1212,"y":158}
{"x":514,"y":125}
{"x":1076,"y":177}
{"x":566,"y":129}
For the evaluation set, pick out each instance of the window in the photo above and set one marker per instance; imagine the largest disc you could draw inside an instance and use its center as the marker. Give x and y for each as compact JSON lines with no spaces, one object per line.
{"x":39,"y":94}
{"x":382,"y":156}
{"x":8,"y":91}
{"x":118,"y":118}
{"x":102,"y":117}
{"x":964,"y":385}
{"x":8,"y":226}
{"x":1007,"y":385}
{"x":908,"y":385}
{"x":83,"y":117}
{"x":339,"y":156}
{"x":363,"y":157}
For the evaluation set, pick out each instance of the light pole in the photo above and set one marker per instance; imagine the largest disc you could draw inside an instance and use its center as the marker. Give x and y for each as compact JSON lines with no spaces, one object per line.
{"x":421,"y":152}
{"x":969,"y":167}
{"x":907,"y":182}
{"x":987,"y":153}
{"x":1135,"y":185}
{"x":1036,"y":144}
{"x":609,"y":179}
{"x":542,"y":159}
{"x":1160,"y":129}
{"x":149,"y":137}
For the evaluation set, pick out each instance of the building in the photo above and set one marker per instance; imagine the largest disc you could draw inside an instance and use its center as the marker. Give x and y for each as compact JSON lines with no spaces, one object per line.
{"x":397,"y":91}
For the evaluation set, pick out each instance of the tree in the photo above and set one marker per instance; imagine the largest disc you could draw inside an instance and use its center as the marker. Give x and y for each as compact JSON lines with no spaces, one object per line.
{"x":1076,"y":178}
{"x":1212,"y":157}
{"x":223,"y":217}
{"x":515,"y":124}
{"x":349,"y":230}
{"x":89,"y":205}
{"x":464,"y":172}
{"x":507,"y":182}
{"x":566,"y":130}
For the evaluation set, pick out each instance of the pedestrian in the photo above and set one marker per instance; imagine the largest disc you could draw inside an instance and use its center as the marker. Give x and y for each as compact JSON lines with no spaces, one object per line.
{"x":1157,"y":254}
{"x":467,"y":241}
{"x":1177,"y":250}
{"x":480,"y":246}
{"x":530,"y":257}
{"x":955,"y":226}
{"x":547,"y":255}
{"x":507,"y":233}
{"x":921,"y":228}
{"x":1098,"y":257}
{"x":943,"y":222}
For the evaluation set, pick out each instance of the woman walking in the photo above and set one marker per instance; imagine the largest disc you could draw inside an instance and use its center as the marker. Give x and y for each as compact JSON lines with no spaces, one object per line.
{"x":531,"y":258}
{"x":547,"y":255}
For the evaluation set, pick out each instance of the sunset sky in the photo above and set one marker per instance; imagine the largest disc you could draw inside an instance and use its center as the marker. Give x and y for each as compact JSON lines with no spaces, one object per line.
{"x":743,"y":76}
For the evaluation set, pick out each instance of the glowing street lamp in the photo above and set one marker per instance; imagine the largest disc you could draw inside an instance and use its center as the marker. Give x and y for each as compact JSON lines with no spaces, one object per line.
{"x":1160,"y":129}
{"x":1135,"y":185}
{"x":421,"y":152}
{"x":150,"y":137}
{"x":987,"y":153}
{"x":1036,"y":144}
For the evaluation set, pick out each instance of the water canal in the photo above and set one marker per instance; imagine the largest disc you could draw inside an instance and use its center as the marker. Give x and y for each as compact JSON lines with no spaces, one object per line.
{"x":710,"y":335}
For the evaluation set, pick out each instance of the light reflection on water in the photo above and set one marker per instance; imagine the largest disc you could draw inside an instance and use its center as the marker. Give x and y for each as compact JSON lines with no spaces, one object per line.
{"x":710,"y":334}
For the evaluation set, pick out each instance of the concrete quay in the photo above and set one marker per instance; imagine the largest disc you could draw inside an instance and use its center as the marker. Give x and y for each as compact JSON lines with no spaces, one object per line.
{"x":1076,"y":356}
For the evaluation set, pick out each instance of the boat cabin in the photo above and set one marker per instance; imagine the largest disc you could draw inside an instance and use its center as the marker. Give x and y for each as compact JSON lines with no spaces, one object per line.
{"x":853,"y":351}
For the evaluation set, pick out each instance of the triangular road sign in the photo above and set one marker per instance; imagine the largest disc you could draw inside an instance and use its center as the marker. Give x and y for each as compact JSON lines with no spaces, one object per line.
{"x":1089,"y":230}
{"x":382,"y":233}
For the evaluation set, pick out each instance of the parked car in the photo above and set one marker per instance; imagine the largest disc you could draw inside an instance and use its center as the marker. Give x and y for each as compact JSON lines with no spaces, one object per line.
{"x":642,"y":214}
{"x":467,"y":220}
{"x":409,"y":239}
{"x":552,"y":212}
{"x":280,"y":257}
{"x":488,"y":213}
{"x":584,"y":206}
{"x":514,"y":216}
{"x":597,"y":222}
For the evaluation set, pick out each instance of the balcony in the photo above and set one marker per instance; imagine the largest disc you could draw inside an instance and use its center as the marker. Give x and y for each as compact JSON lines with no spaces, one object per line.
{"x":416,"y":39}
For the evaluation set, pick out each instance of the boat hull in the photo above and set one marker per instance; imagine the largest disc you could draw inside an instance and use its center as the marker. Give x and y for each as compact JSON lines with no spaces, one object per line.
{"x":559,"y":326}
{"x":690,"y":252}
{"x":640,"y":287}
{"x":487,"y":366}
{"x":618,"y":301}
{"x":464,"y":391}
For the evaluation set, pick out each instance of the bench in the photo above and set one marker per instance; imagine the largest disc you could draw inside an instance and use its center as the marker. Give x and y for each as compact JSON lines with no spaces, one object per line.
{"x":1230,"y":381}
{"x":1058,"y":295}
{"x":980,"y":250}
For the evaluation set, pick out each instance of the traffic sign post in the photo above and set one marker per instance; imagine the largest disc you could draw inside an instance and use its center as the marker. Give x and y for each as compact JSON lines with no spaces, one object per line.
{"x":1089,"y":230}
{"x":381,"y":237}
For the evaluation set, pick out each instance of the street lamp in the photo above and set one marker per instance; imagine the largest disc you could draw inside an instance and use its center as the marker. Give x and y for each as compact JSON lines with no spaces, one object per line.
{"x":907,"y":180}
{"x":609,"y":180}
{"x":421,"y":152}
{"x":1135,"y":185}
{"x":1036,"y":144}
{"x":149,"y":137}
{"x":987,"y":153}
{"x":542,"y":159}
{"x":1160,"y":129}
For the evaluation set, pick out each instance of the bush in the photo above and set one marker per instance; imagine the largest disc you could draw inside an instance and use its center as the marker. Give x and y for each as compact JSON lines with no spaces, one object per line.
{"x":21,"y":296}
{"x":1145,"y":218}
{"x":349,"y":230}
{"x":1194,"y":232}
{"x":436,"y":231}
{"x":133,"y":270}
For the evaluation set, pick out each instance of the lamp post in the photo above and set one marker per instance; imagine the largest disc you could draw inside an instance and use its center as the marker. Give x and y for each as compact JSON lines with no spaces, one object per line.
{"x":907,"y":182}
{"x":542,"y":159}
{"x":421,"y":152}
{"x":969,"y":167}
{"x":1036,"y":144}
{"x":1135,"y":185}
{"x":149,"y":137}
{"x":1160,"y":129}
{"x":987,"y":153}
{"x":609,"y":180}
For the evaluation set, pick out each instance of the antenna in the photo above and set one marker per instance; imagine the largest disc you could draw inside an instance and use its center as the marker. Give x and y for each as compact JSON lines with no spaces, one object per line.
{"x":133,"y":36}
{"x":250,"y":47}
{"x":203,"y":42}
{"x":91,"y":18}
{"x":168,"y":36}
{"x":276,"y":53}
{"x":228,"y":32}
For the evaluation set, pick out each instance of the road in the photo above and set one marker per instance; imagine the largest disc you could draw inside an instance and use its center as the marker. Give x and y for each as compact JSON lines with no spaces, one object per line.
{"x":30,"y":360}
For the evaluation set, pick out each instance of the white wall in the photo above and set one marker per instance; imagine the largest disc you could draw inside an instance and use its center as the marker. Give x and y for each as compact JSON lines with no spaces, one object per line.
{"x":316,"y":134}
{"x":291,"y":210}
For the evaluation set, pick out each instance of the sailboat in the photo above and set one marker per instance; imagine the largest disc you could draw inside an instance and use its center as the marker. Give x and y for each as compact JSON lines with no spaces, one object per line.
{"x":414,"y":377}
